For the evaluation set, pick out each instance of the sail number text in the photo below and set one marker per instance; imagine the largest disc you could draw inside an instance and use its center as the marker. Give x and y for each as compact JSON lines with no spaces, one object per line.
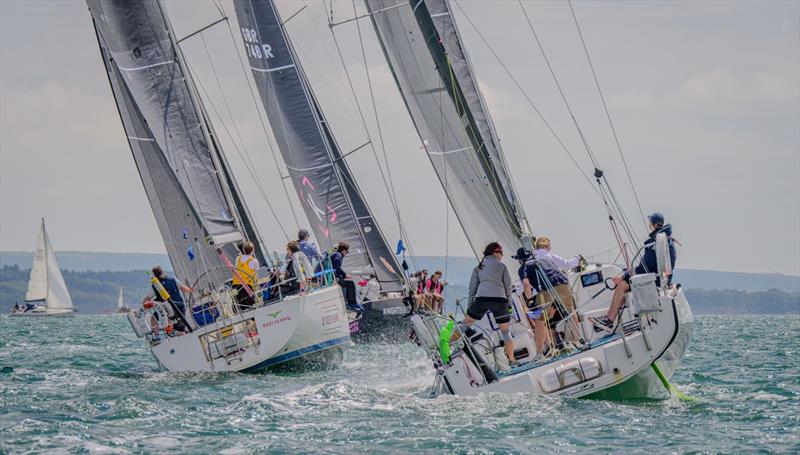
{"x":254,"y":48}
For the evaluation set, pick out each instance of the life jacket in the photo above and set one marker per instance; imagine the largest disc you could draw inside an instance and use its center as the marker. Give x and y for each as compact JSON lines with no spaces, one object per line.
{"x":247,"y":274}
{"x":433,"y":286}
{"x":171,"y":285}
{"x":421,"y":286}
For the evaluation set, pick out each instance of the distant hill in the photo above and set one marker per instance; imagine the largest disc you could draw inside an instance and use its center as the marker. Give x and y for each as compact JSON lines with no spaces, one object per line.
{"x":459,"y":269}
{"x":91,"y":292}
{"x":94,"y":280}
{"x":87,"y":261}
{"x":96,"y":292}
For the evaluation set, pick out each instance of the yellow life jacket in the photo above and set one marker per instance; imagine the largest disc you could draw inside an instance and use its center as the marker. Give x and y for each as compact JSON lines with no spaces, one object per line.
{"x":247,"y":274}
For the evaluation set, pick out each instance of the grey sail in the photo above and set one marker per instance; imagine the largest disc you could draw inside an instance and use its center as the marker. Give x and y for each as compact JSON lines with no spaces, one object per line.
{"x":187,"y":184}
{"x":330,"y":196}
{"x":432,"y":71}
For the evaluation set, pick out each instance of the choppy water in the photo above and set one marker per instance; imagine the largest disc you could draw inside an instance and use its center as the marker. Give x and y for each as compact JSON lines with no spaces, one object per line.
{"x":87,"y":385}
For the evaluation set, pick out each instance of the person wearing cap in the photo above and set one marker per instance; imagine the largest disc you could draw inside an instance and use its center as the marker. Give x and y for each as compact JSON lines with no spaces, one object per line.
{"x":522,"y":257}
{"x":648,"y":264}
{"x":309,"y":248}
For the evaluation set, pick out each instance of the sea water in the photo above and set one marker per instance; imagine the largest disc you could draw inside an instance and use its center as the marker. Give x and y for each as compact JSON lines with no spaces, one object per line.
{"x":87,"y":385}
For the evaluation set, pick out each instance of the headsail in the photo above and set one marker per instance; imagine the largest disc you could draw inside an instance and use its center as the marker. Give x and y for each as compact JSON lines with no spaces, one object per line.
{"x":196,"y":205}
{"x":431,"y":68}
{"x":57,"y":294}
{"x":330,"y":196}
{"x":47,"y":282}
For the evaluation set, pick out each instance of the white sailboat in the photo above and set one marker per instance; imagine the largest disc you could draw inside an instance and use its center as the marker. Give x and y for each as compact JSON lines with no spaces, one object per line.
{"x":424,"y":50}
{"x":47,"y":292}
{"x":121,"y":307}
{"x":203,"y":217}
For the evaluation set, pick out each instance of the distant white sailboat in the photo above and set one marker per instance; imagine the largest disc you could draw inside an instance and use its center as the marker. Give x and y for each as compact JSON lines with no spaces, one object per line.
{"x":47,"y":292}
{"x":121,"y":307}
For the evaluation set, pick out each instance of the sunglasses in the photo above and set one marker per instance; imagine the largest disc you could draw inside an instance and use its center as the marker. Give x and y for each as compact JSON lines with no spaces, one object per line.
{"x":499,"y":250}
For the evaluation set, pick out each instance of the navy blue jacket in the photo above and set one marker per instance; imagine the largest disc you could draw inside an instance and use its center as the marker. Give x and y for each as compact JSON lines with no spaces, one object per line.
{"x":336,"y":262}
{"x":554,"y":276}
{"x":649,"y":262}
{"x":172,"y":287}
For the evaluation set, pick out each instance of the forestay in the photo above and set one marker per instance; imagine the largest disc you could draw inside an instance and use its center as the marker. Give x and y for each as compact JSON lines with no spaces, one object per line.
{"x":195,"y":202}
{"x":434,"y":75}
{"x":331,"y":198}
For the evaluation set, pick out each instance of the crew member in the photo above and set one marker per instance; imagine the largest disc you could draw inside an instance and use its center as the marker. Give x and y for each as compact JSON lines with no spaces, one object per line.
{"x":648,"y":264}
{"x":309,"y":248}
{"x":435,"y":287}
{"x":490,"y":290}
{"x":173,"y":287}
{"x":244,"y":277}
{"x":348,"y":287}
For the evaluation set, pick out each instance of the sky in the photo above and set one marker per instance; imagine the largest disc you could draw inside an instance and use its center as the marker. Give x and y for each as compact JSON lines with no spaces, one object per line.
{"x":704,"y":96}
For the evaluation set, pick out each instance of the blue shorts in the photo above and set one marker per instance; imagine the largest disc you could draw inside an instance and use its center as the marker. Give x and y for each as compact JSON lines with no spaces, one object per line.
{"x":536,"y":314}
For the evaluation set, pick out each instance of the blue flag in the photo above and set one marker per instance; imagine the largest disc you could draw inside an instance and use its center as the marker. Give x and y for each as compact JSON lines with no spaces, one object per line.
{"x":400,"y":247}
{"x":190,"y":253}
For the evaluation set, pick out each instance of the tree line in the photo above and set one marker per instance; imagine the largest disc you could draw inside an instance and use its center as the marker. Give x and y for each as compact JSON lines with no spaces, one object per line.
{"x":97,"y":291}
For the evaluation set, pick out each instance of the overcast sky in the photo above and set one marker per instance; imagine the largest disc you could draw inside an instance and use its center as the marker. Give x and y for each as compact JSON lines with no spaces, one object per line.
{"x":705,"y":97}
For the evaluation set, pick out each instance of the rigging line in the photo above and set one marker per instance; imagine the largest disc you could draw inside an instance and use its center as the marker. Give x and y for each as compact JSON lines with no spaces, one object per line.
{"x":250,"y":170}
{"x":366,"y":130}
{"x":262,"y":122}
{"x":608,"y":115}
{"x":558,"y":84}
{"x":528,"y":99}
{"x":349,"y":109}
{"x":392,"y":192}
{"x":446,"y":185}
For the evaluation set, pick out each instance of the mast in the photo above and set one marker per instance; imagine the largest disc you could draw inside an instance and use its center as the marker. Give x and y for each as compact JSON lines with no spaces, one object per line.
{"x":331,"y":199}
{"x":435,"y":78}
{"x":47,"y":262}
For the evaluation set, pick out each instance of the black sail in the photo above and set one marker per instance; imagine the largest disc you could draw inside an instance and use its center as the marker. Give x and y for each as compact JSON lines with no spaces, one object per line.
{"x":196,"y":205}
{"x":331,"y":199}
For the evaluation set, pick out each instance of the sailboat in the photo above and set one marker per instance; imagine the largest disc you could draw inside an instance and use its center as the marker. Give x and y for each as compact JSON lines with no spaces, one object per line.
{"x":432,"y":70}
{"x":121,"y":307}
{"x":331,"y":198}
{"x":47,"y":292}
{"x":202,"y":217}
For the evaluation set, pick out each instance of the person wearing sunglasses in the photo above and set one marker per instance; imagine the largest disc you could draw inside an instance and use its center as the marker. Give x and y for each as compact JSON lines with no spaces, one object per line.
{"x":490,"y":289}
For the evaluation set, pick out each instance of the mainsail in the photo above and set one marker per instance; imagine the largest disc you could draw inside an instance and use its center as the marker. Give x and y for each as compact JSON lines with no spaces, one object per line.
{"x":190,"y":188}
{"x":432,"y":70}
{"x":331,"y":199}
{"x":120,"y":301}
{"x":46,"y":283}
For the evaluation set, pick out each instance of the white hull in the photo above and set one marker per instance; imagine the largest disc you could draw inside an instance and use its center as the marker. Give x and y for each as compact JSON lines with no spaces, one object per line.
{"x":40,"y":313}
{"x":273,"y":334}
{"x":646,"y":384}
{"x":612,"y":365}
